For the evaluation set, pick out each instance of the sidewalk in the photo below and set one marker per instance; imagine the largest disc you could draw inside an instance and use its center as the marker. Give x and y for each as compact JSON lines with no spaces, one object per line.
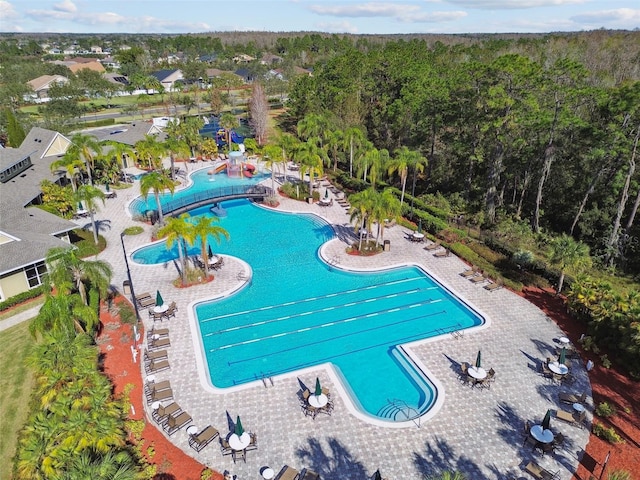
{"x":19,"y":318}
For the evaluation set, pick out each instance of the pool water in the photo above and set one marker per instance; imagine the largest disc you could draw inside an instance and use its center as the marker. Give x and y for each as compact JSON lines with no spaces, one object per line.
{"x":201,"y":181}
{"x":299,"y":312}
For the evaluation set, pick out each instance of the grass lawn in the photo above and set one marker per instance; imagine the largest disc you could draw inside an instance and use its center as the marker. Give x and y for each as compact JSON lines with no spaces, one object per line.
{"x":16,"y":384}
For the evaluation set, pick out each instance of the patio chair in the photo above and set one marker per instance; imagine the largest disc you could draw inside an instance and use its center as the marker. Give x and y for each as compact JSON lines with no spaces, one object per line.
{"x":160,"y":395}
{"x":161,"y":414}
{"x":239,"y":454}
{"x":558,"y":440}
{"x":203,"y":438}
{"x":287,"y":473}
{"x":571,"y":418}
{"x":433,"y":246}
{"x":307,"y":474}
{"x":156,"y":355}
{"x":469,"y":272}
{"x":444,"y":253}
{"x":159,"y":343}
{"x":536,"y":471}
{"x":225,"y":448}
{"x":530,"y":441}
{"x":572,"y":397}
{"x":176,"y":423}
{"x":156,"y":366}
{"x":497,"y":285}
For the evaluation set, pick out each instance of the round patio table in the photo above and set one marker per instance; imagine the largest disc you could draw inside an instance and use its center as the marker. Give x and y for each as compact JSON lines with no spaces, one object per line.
{"x":558,"y":368}
{"x":318,"y":401}
{"x":542,"y":435}
{"x":239,"y":442}
{"x":478,"y":373}
{"x":161,"y":308}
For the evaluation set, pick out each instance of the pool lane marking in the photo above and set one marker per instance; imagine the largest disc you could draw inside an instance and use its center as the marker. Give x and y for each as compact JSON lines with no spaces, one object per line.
{"x":344,"y":335}
{"x":320,"y":297}
{"x":309,"y":312}
{"x":322,"y":325}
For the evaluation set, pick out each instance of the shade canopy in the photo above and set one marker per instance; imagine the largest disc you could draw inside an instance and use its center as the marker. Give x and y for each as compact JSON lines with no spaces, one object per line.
{"x":479,"y":360}
{"x":239,"y":430}
{"x":318,"y":387}
{"x":546,"y":421}
{"x":159,"y":300}
{"x":563,"y":355}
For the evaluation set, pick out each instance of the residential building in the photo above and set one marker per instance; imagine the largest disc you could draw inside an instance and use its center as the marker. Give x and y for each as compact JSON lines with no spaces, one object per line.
{"x":168,"y":78}
{"x":42,"y":84}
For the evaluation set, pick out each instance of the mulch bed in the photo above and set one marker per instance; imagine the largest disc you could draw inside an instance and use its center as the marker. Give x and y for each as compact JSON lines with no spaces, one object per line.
{"x":609,"y":385}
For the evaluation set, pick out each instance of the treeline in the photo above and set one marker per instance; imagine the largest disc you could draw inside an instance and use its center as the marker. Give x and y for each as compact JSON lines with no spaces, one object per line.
{"x":532,"y":134}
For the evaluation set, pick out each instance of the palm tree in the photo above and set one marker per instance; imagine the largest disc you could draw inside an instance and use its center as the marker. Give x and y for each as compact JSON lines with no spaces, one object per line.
{"x":71,"y":163}
{"x":149,"y":150}
{"x":310,"y":156}
{"x":448,"y":475}
{"x":403,"y":158}
{"x":118,"y":151}
{"x":228,"y":122}
{"x":181,"y":231}
{"x":289,"y":145}
{"x":157,"y":182}
{"x":68,"y":272}
{"x":271,"y":159}
{"x":567,"y":254}
{"x":110,"y":466}
{"x":87,"y":195}
{"x":386,"y":207}
{"x":87,"y":148}
{"x":203,"y":227}
{"x":335,"y":142}
{"x":354,"y":140}
{"x":313,"y":126}
{"x":176,"y":147}
{"x":362,"y":205}
{"x":64,"y":314}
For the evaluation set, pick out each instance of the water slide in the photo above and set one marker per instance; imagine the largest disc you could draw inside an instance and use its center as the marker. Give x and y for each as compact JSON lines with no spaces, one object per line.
{"x":220,"y":168}
{"x":248,"y":170}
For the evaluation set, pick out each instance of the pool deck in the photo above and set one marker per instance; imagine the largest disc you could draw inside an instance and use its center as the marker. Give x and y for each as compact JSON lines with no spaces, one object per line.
{"x":476,"y":431}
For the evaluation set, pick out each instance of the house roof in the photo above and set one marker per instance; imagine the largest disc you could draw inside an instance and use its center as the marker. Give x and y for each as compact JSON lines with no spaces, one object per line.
{"x":116,"y":78}
{"x":44,"y":81}
{"x":162,"y":75}
{"x":95,"y":66}
{"x":33,"y":230}
{"x":129,"y":134}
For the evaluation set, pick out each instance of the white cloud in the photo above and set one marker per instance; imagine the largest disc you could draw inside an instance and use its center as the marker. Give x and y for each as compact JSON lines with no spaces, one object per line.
{"x":364,"y":10}
{"x":110,"y":20}
{"x":337,"y":27}
{"x":513,"y":4}
{"x":620,"y":16}
{"x":433,"y":17}
{"x":7,"y":12}
{"x":65,"y":6}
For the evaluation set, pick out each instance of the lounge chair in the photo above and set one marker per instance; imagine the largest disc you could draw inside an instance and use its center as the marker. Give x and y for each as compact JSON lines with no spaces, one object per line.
{"x":494,"y":285}
{"x":571,"y":417}
{"x":159,"y":343}
{"x":143,"y":296}
{"x":160,"y":332}
{"x":444,"y":253}
{"x":146,"y":302}
{"x":151,"y":387}
{"x":160,"y":395}
{"x":161,"y":414}
{"x":156,"y":366}
{"x":433,"y":246}
{"x":469,"y":272}
{"x":176,"y":423}
{"x":536,"y":471}
{"x":203,"y":438}
{"x":156,"y":355}
{"x":479,"y":278}
{"x":572,"y":397}
{"x":307,"y":474}
{"x":287,"y":473}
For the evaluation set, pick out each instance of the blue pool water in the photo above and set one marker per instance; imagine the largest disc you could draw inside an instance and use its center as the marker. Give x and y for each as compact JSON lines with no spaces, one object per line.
{"x":299,"y":312}
{"x":201,"y":181}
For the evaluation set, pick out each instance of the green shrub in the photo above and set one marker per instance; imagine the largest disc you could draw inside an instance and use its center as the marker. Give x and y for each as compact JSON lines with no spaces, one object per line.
{"x":100,"y":123}
{"x":619,"y":475}
{"x":127,"y":314}
{"x":608,"y":434}
{"x":21,"y":297}
{"x":135,"y":230}
{"x":605,"y":410}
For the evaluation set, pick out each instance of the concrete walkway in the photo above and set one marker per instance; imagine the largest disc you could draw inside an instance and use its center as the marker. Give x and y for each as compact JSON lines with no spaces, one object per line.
{"x":20,"y":317}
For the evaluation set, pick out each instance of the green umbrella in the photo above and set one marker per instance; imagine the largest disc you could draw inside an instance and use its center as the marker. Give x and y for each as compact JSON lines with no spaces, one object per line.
{"x":326,"y":193}
{"x":420,"y":226}
{"x":79,"y":205}
{"x":546,"y":421}
{"x":159,"y":300}
{"x":478,"y":360}
{"x":106,"y":186}
{"x":563,"y":354}
{"x":239,"y":430}
{"x":318,"y":387}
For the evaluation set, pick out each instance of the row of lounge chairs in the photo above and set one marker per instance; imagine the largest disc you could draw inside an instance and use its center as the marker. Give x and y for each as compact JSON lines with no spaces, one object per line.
{"x":475,"y":275}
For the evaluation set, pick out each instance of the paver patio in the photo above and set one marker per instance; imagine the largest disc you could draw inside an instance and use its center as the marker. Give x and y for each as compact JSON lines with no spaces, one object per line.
{"x":478,"y":432}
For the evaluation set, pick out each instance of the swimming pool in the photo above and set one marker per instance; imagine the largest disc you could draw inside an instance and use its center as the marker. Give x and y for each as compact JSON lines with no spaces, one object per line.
{"x":299,"y":312}
{"x":201,"y":181}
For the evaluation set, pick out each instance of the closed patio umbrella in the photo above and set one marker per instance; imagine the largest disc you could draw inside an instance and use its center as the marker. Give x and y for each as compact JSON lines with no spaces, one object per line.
{"x":239,"y":430}
{"x":420,"y":226}
{"x":326,"y":193}
{"x":159,"y":300}
{"x":562,"y":357}
{"x":546,"y":421}
{"x":318,"y":387}
{"x":377,"y":476}
{"x":479,"y":360}
{"x":209,"y":252}
{"x":106,"y":186}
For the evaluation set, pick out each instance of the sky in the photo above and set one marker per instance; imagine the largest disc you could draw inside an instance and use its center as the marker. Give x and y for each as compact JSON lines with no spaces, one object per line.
{"x":357,"y":17}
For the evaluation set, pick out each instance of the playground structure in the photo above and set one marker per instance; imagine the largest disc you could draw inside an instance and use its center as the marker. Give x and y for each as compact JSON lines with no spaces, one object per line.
{"x":235,"y":167}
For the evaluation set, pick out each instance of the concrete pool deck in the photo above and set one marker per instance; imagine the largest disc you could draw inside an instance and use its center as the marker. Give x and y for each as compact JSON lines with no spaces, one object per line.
{"x":477,"y":431}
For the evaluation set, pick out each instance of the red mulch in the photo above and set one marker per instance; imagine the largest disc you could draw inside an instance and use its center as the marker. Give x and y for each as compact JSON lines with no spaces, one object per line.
{"x":609,"y":385}
{"x":115,"y":342}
